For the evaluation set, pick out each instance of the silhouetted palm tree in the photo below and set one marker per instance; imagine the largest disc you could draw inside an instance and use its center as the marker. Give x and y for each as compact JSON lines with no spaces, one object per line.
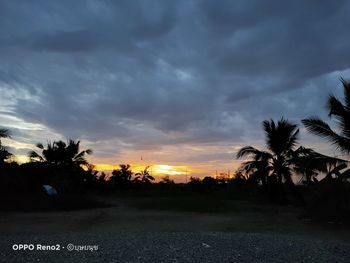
{"x":276,"y":164}
{"x":4,"y":133}
{"x":309,"y":163}
{"x":281,"y":139}
{"x":260,"y":167}
{"x":144,"y":176}
{"x":341,"y":112}
{"x":4,"y":153}
{"x":166,"y":180}
{"x":62,"y":154}
{"x":121,"y":178}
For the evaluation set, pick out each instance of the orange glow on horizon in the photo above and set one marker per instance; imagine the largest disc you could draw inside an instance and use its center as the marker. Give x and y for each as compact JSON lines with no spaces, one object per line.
{"x":105,"y":167}
{"x":162,"y":162}
{"x":157,"y":169}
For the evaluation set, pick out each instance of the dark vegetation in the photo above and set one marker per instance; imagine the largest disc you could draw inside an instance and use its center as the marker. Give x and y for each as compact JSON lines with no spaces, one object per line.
{"x":265,"y":176}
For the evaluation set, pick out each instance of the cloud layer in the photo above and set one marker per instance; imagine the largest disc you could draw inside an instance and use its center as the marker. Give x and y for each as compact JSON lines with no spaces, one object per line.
{"x":129,"y":77}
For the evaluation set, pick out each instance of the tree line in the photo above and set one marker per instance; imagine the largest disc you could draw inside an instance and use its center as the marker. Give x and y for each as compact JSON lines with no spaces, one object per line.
{"x":64,"y":166}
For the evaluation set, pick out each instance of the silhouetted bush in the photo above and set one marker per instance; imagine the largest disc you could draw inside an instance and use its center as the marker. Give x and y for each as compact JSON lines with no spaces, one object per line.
{"x":195,"y":184}
{"x":208,"y":184}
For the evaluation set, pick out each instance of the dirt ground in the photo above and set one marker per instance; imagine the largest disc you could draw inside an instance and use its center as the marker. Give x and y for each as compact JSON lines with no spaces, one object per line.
{"x":125,"y":215}
{"x":141,"y":230}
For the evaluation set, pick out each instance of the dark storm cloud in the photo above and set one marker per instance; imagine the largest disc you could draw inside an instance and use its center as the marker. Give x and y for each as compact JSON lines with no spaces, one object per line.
{"x":66,"y":41}
{"x":156,"y":73}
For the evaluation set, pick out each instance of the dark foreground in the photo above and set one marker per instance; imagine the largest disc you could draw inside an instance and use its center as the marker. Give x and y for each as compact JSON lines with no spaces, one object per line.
{"x":179,"y":247}
{"x":126,"y":233}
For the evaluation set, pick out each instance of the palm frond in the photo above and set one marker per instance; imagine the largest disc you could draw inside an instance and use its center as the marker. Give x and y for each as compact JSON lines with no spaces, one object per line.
{"x":341,"y":114}
{"x":39,"y":145}
{"x":346,"y":88}
{"x":5,"y":133}
{"x":247,"y":151}
{"x":322,"y":129}
{"x":150,"y":177}
{"x":344,"y":175}
{"x":281,"y":137}
{"x":335,"y":107}
{"x":314,"y":161}
{"x":336,"y":170}
{"x":33,"y":156}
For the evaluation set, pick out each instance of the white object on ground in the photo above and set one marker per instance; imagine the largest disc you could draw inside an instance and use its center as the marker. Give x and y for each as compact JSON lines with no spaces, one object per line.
{"x":50,"y":190}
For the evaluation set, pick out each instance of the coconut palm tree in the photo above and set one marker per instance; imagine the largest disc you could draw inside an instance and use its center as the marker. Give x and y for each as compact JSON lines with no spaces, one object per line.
{"x":259,"y":168}
{"x":310,"y":163}
{"x":340,"y":138}
{"x":281,"y":140}
{"x":62,"y":154}
{"x":340,"y":110}
{"x":121,"y":178}
{"x":276,"y":164}
{"x":144,"y":176}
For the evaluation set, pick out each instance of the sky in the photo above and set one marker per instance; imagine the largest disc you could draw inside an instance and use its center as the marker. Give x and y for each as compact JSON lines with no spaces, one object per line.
{"x":184,"y":84}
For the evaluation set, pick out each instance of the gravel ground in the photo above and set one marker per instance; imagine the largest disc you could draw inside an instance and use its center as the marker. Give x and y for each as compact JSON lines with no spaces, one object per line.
{"x":176,"y":247}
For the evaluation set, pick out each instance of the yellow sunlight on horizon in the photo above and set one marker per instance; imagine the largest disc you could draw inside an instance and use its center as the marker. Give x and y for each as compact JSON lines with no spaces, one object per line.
{"x":157,"y":169}
{"x":164,"y":169}
{"x":22,"y":158}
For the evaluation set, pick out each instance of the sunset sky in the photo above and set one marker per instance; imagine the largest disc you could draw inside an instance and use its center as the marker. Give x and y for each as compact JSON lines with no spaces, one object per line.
{"x":184,"y":84}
